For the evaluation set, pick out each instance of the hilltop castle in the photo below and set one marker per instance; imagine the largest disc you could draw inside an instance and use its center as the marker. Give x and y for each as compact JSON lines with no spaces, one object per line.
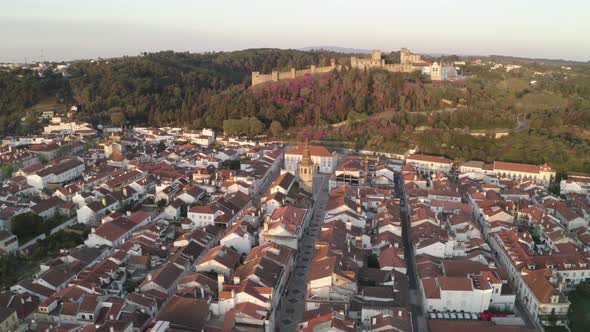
{"x":409,"y":62}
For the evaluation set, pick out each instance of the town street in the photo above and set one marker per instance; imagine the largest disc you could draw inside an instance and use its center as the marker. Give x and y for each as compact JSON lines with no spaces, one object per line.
{"x":292,"y":305}
{"x":415,"y":300}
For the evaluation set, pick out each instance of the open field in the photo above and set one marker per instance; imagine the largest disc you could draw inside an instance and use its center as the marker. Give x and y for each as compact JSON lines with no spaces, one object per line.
{"x":47,"y":104}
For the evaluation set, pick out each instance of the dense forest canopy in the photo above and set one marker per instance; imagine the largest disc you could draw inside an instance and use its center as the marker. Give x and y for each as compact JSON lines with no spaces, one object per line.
{"x":21,"y":89}
{"x":376,"y":109}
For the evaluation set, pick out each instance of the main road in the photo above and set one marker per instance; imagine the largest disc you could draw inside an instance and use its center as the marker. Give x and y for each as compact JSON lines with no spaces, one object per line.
{"x":292,"y":304}
{"x":415,"y":300}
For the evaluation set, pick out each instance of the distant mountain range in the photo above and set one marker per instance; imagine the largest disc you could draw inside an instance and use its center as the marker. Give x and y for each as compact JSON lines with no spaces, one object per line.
{"x":337,"y":49}
{"x":504,"y":58}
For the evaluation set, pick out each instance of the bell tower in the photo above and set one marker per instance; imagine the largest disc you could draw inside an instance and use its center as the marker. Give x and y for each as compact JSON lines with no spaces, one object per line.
{"x":306,"y":170}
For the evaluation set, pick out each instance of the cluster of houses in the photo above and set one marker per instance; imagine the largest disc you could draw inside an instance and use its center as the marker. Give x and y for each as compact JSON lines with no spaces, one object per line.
{"x":178,"y":237}
{"x":357,"y":277}
{"x":194,"y":232}
{"x":486,"y":235}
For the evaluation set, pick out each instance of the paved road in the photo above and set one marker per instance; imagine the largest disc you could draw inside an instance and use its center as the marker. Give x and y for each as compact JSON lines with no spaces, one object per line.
{"x":415,"y":300}
{"x":522,"y":123}
{"x":292,"y":305}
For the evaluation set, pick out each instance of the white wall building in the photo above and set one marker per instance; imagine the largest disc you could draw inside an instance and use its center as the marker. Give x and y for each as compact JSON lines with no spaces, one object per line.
{"x":429,"y":164}
{"x":324,"y":161}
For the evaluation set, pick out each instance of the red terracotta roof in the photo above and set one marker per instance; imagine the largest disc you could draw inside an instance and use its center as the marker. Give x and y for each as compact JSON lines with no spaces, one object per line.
{"x":318,"y":151}
{"x":515,"y":167}
{"x":433,"y":159}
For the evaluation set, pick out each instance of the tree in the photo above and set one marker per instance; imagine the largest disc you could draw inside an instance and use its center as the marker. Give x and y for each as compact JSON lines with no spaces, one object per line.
{"x":118,"y":118}
{"x":161,"y":146}
{"x":250,"y":126}
{"x":276,"y":129}
{"x":6,"y":170}
{"x":27,"y":225}
{"x":255,"y":126}
{"x":161,"y":204}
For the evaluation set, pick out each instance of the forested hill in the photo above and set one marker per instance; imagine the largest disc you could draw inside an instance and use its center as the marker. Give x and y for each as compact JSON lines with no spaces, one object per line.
{"x":21,"y":89}
{"x":207,"y":89}
{"x":375,"y":109}
{"x":176,"y":88}
{"x":146,"y":89}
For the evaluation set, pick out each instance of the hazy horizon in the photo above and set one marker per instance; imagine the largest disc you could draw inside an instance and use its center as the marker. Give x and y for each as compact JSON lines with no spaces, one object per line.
{"x":64,"y":30}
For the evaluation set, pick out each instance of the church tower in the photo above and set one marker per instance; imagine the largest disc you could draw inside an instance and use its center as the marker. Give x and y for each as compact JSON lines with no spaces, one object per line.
{"x":306,"y":171}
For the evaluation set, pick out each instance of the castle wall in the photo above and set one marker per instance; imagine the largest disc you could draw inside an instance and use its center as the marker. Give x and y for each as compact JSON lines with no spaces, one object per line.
{"x":364,"y":64}
{"x":400,"y":68}
{"x":326,"y":69}
{"x":303,"y":72}
{"x":258,"y":78}
{"x":275,"y":76}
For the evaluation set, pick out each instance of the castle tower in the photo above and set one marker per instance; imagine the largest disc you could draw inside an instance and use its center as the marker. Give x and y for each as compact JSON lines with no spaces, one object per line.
{"x":406,"y":57}
{"x":376,"y":55}
{"x":306,"y":170}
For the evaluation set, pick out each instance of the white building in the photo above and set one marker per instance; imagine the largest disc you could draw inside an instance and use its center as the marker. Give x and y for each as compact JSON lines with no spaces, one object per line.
{"x":541,"y":174}
{"x":221,"y":260}
{"x":441,"y":72}
{"x":469,"y":293}
{"x":66,"y":128}
{"x":202,"y":216}
{"x":91,"y":212}
{"x":542,"y":300}
{"x":204,"y":137}
{"x":62,"y":172}
{"x":114,"y":232}
{"x":285,"y":226}
{"x":238,"y":239}
{"x":324,"y":161}
{"x":578,"y":183}
{"x":429,"y":164}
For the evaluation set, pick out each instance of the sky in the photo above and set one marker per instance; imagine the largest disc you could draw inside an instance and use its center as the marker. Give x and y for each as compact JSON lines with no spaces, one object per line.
{"x":61,"y":30}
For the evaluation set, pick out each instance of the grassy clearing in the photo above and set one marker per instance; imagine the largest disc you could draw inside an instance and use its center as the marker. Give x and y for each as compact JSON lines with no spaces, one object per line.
{"x":47,"y":104}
